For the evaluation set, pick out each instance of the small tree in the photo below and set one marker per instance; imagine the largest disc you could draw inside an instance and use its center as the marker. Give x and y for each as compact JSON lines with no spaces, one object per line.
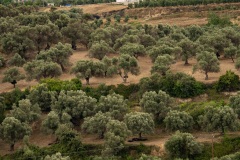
{"x":116,"y":134}
{"x":13,"y":75}
{"x":188,"y":49}
{"x":12,"y":130}
{"x":17,"y":60}
{"x":164,"y":49}
{"x":113,"y":103}
{"x":99,"y":50}
{"x":139,"y":123}
{"x":132,"y":49}
{"x":207,"y":62}
{"x":126,"y":64}
{"x":126,"y":18}
{"x":234,"y":103}
{"x":162,"y":64}
{"x":96,"y":124}
{"x":176,"y":120}
{"x":228,"y":82}
{"x":156,"y":103}
{"x":231,"y":52}
{"x":59,"y":54}
{"x":221,"y":118}
{"x":54,"y":120}
{"x":87,"y":69}
{"x":38,"y":69}
{"x":42,"y":96}
{"x":183,"y":145}
{"x":64,"y":133}
{"x":25,"y":112}
{"x":75,"y":103}
{"x":108,"y":66}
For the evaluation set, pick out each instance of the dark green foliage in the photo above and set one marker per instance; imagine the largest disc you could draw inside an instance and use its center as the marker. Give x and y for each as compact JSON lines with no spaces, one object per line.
{"x":72,"y":148}
{"x":183,"y":145}
{"x":176,"y":85}
{"x":13,"y":97}
{"x":2,"y":109}
{"x":58,"y":85}
{"x":225,"y":147}
{"x":214,"y":19}
{"x":126,"y":90}
{"x":101,"y":90}
{"x":228,"y":82}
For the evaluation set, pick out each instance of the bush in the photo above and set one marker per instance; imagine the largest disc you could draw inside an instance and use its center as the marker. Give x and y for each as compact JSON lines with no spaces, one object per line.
{"x":58,"y":85}
{"x":176,"y":85}
{"x":183,"y":145}
{"x":13,"y":97}
{"x":228,"y":82}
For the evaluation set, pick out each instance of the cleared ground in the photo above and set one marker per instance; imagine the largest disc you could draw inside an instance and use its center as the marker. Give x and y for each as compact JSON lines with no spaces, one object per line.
{"x":145,"y":68}
{"x":92,"y":8}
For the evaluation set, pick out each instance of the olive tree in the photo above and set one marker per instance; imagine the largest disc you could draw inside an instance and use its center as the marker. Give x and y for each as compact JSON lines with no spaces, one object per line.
{"x":38,"y":69}
{"x":207,"y":62}
{"x":53,"y":120}
{"x":26,"y":111}
{"x":17,"y":60}
{"x":183,"y":145}
{"x":113,"y":103}
{"x":12,"y":130}
{"x":96,"y":124}
{"x":139,"y":123}
{"x":116,"y":134}
{"x":221,"y":118}
{"x":188,"y":49}
{"x":87,"y":69}
{"x":162,"y":64}
{"x":77,"y":31}
{"x":59,"y":54}
{"x":12,"y":75}
{"x":100,"y":49}
{"x":18,"y":42}
{"x":75,"y":103}
{"x":108,"y":66}
{"x":132,"y":49}
{"x":126,"y":64}
{"x":42,"y":96}
{"x":176,"y":120}
{"x":234,"y":102}
{"x":157,"y":104}
{"x":164,"y":49}
{"x":231,"y":52}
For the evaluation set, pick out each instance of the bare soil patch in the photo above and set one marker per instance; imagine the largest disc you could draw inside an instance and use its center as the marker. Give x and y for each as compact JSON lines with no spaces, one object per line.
{"x":145,"y":68}
{"x":225,"y":65}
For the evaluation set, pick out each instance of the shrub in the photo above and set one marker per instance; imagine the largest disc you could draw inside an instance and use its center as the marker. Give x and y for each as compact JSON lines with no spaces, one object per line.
{"x":176,"y":85}
{"x":58,"y":85}
{"x":13,"y":97}
{"x":183,"y":145}
{"x":2,"y":62}
{"x":228,"y":82}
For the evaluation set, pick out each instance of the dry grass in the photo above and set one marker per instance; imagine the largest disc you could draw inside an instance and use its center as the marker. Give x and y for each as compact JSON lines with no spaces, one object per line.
{"x":93,"y":8}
